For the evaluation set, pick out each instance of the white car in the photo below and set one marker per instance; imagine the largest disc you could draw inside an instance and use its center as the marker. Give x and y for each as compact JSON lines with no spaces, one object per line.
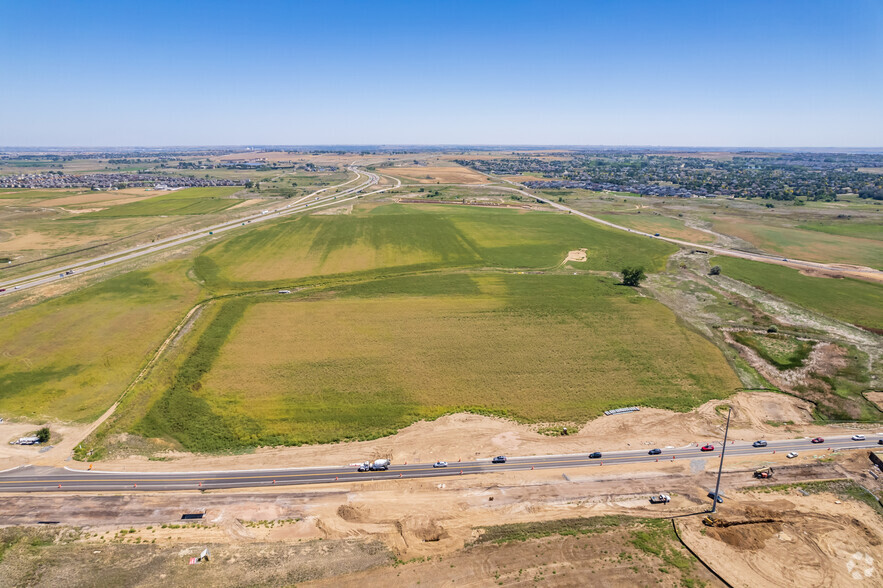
{"x":440,"y":464}
{"x":858,"y":437}
{"x":792,"y":455}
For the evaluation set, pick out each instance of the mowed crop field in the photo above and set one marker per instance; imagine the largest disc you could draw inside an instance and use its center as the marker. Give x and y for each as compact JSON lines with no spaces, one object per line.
{"x":812,"y":245}
{"x":664,"y":225}
{"x":848,"y":300}
{"x":419,"y":237}
{"x":180,"y":202}
{"x":71,"y":357}
{"x":366,"y":362}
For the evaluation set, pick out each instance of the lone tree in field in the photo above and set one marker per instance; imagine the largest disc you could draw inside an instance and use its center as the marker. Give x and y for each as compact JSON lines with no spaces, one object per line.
{"x":715,"y":270}
{"x":43,"y":435}
{"x":632,"y":276}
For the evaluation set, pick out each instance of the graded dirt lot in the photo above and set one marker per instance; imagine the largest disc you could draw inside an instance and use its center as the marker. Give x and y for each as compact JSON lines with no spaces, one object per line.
{"x":453,"y":174}
{"x":517,"y":528}
{"x":791,"y":540}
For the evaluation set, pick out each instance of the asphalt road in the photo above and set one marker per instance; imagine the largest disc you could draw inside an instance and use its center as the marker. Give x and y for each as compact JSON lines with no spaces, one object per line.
{"x":42,"y":479}
{"x":314,"y":200}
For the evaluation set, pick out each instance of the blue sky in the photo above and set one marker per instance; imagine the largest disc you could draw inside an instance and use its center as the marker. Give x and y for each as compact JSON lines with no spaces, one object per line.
{"x":746,"y":73}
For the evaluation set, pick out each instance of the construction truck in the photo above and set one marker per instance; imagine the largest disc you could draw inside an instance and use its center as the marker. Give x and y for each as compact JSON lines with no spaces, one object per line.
{"x":378,"y":465}
{"x":763,"y":473}
{"x":660,"y":499}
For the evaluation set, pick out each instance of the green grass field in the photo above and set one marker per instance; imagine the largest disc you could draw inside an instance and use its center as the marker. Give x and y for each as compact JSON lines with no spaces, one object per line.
{"x":654,"y":223}
{"x":812,"y":245}
{"x":865,"y":230}
{"x":189,"y":201}
{"x":852,"y":301}
{"x":363,"y":362}
{"x":72,"y":356}
{"x":400,"y":238}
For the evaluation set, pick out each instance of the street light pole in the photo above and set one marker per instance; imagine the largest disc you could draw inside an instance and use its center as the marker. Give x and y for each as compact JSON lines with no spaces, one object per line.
{"x":721,"y":468}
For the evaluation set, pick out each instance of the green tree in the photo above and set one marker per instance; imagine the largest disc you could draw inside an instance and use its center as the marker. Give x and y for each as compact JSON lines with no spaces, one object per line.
{"x":43,"y":435}
{"x":715,"y":270}
{"x":632,"y":276}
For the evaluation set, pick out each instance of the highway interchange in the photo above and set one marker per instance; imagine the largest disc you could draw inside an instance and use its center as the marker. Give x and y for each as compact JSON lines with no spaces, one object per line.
{"x":317,"y":199}
{"x":44,"y":479}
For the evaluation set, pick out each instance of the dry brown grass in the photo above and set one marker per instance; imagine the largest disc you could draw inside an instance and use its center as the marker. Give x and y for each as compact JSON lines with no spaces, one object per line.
{"x":441,"y":174}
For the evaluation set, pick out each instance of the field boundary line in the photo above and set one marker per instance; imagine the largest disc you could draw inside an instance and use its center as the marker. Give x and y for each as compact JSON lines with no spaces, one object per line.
{"x":143,"y":372}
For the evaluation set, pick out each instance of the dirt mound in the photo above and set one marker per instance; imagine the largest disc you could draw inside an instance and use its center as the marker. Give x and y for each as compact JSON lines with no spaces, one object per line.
{"x":354,"y":513}
{"x":746,"y":535}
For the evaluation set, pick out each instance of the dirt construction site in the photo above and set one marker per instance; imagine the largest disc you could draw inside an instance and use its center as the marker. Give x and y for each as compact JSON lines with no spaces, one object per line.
{"x":810,"y":525}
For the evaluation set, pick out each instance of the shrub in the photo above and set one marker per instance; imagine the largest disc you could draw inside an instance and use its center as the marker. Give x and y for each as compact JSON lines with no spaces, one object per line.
{"x":715,"y":270}
{"x":43,"y":435}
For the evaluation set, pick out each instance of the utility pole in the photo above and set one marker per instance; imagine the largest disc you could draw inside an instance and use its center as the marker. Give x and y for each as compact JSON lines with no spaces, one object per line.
{"x":717,"y":487}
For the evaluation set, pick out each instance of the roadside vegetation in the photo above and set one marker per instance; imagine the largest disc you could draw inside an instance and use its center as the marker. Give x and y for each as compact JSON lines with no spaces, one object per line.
{"x":782,"y":351}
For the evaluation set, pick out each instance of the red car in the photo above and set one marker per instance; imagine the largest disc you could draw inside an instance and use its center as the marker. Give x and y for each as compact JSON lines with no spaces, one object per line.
{"x":708,"y":447}
{"x":818,"y":440}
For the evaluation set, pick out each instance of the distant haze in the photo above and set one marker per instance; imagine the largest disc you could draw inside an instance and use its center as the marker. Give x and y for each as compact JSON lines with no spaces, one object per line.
{"x":759,"y":74}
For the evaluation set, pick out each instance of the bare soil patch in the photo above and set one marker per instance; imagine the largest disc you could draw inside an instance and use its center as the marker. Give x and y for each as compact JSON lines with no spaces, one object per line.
{"x":791,"y":540}
{"x":875,"y":397}
{"x":577,"y":255}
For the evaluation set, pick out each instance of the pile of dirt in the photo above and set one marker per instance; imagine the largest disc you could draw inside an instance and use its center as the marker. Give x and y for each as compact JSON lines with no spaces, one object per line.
{"x":576,"y":255}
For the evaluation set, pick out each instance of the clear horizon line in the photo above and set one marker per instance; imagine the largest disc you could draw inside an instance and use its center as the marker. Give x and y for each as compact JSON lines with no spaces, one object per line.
{"x":446,"y":145}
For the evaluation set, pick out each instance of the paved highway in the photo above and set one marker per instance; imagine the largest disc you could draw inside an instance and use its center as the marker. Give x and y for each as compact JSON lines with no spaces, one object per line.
{"x":314,"y":200}
{"x":37,"y":479}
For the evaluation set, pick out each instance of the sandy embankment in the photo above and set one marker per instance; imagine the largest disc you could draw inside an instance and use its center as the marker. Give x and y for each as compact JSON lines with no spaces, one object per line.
{"x":468,"y":437}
